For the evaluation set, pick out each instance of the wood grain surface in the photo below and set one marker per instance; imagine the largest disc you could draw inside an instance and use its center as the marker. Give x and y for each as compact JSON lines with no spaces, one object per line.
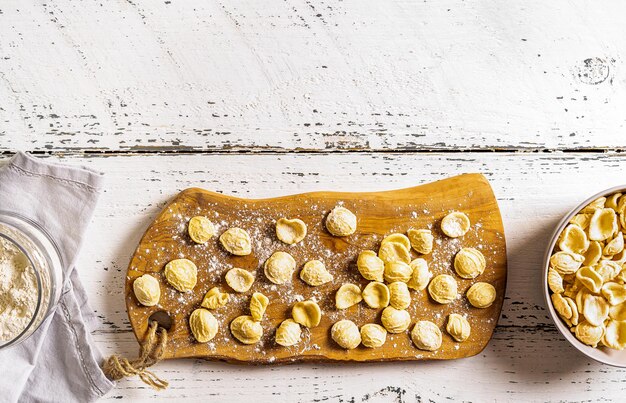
{"x":379,"y":214}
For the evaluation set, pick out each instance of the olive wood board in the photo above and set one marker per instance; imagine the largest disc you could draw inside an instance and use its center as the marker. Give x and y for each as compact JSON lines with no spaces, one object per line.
{"x":378,"y":214}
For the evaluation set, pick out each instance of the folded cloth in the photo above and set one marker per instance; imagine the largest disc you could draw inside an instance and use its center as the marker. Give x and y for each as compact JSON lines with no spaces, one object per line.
{"x":59,"y":362}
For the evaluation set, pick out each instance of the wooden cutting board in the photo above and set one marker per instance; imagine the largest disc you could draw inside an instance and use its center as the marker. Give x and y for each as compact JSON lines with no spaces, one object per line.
{"x":379,"y":214}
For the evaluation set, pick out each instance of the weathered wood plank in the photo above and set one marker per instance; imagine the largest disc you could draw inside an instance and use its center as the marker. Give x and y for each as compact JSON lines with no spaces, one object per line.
{"x":140,"y":75}
{"x":526,"y":360}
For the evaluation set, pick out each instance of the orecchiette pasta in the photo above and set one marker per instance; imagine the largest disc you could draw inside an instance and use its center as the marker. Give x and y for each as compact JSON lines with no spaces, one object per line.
{"x":588,"y":333}
{"x":469,"y":263}
{"x":288,"y":333}
{"x":400,"y":298}
{"x":395,"y":320}
{"x":398,"y":238}
{"x":420,"y":277}
{"x":595,"y":309}
{"x":200,"y":229}
{"x":239,"y":280}
{"x":590,"y":279}
{"x":426,"y":336}
{"x":341,"y":222}
{"x":421,"y":240}
{"x":566,"y":262}
{"x":314,"y":273}
{"x":615,"y":335}
{"x":443,"y":289}
{"x":279,"y":267}
{"x":290,"y":231}
{"x":376,"y":295}
{"x":214,"y":299}
{"x":574,"y":240}
{"x":348,"y":295}
{"x":307,"y":313}
{"x":203,"y":325}
{"x":258,"y":305}
{"x":603,"y":224}
{"x":245,"y":329}
{"x":346,"y":334}
{"x":455,"y":224}
{"x":397,"y":271}
{"x":370,"y":265}
{"x":394,"y":252}
{"x":481,"y":295}
{"x":147,"y":290}
{"x":555,"y":281}
{"x":458,"y":327}
{"x":182,"y":274}
{"x":236,"y":241}
{"x":615,"y":293}
{"x":373,"y":335}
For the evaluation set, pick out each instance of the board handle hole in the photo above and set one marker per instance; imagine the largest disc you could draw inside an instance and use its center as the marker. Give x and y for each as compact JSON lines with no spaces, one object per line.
{"x":162,"y":318}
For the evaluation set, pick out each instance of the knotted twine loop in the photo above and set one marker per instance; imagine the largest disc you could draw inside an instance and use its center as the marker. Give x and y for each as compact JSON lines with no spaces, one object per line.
{"x":152,"y":349}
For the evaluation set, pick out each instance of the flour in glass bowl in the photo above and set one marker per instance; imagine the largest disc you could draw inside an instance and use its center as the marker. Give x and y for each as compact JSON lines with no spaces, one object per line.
{"x":18,"y":291}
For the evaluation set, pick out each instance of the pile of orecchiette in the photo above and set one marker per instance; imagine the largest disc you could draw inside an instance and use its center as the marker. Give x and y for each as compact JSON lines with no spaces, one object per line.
{"x":391,"y":272}
{"x":587,"y":273}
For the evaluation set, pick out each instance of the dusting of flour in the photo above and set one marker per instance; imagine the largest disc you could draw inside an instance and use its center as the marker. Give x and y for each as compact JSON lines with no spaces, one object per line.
{"x":18,"y":291}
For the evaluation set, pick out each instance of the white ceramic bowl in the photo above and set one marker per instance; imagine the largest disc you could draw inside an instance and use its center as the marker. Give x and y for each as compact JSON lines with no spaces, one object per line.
{"x":603,"y":354}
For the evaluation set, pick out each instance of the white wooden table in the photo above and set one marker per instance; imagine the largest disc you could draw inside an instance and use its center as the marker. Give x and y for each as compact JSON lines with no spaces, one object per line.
{"x":266,"y":98}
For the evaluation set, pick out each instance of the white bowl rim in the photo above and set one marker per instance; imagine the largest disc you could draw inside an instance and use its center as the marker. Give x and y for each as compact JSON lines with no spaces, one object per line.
{"x":607,"y":356}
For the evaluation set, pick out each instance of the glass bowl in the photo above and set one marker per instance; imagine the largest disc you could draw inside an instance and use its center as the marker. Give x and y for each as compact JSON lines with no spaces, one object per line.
{"x":44,"y":259}
{"x":602,"y":354}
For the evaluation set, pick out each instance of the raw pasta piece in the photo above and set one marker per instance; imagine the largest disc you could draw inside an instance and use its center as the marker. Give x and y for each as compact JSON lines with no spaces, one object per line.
{"x":603,"y":224}
{"x":147,"y":290}
{"x":398,"y":238}
{"x":214,"y":299}
{"x":245,"y":329}
{"x":615,"y":246}
{"x":373,"y":335}
{"x":566,"y":262}
{"x":582,"y":220}
{"x":420,"y":277}
{"x":580,"y":298}
{"x":348,"y":295}
{"x":607,"y":269}
{"x":203,"y":325}
{"x":574,"y":240}
{"x":615,"y":335}
{"x":618,"y":312}
{"x":555,"y":281}
{"x":239,"y":280}
{"x":590,"y":279}
{"x":455,"y":224}
{"x":469,"y":263}
{"x":400,"y":298}
{"x":397,"y":271}
{"x":258,"y":305}
{"x":236,"y":241}
{"x":443,"y":289}
{"x":182,"y":274}
{"x":426,"y":335}
{"x":394,"y":252}
{"x":279,"y":267}
{"x":575,"y":316}
{"x":370,"y":265}
{"x":595,"y":309}
{"x":594,"y":205}
{"x":376,"y":295}
{"x":593,"y":254}
{"x":481,"y":295}
{"x":561,"y":306}
{"x":588,"y":333}
{"x":200,"y":229}
{"x":314,"y":273}
{"x":395,"y":320}
{"x":612,"y":201}
{"x":307,"y":313}
{"x":458,"y":327}
{"x":615,"y":293}
{"x":346,"y":334}
{"x":290,"y":231}
{"x":421,"y":240}
{"x":341,"y":222}
{"x":288,"y":333}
